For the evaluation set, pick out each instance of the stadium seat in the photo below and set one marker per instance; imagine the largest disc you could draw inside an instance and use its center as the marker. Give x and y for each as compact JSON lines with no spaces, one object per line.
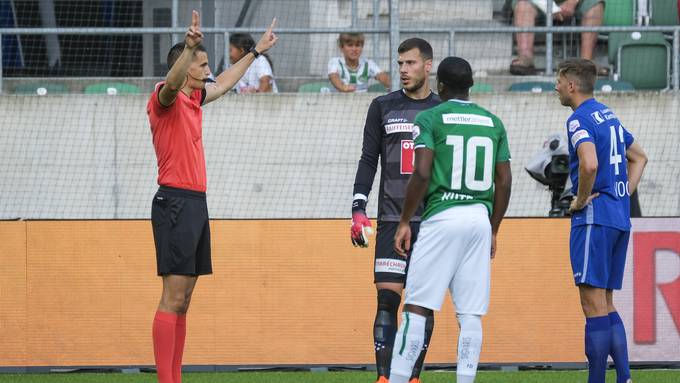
{"x":481,"y":87}
{"x":377,"y":88}
{"x":632,"y":51}
{"x":103,"y":88}
{"x":532,"y":86}
{"x":664,"y":12}
{"x":619,"y":12}
{"x":315,"y":87}
{"x":32,"y":88}
{"x":605,"y":85}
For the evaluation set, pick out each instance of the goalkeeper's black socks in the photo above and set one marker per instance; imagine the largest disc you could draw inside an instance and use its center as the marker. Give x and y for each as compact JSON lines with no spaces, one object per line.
{"x":385,"y":329}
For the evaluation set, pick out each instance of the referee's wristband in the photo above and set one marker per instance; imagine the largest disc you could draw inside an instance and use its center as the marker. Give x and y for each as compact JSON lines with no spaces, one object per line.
{"x":358,"y":204}
{"x":254,"y":52}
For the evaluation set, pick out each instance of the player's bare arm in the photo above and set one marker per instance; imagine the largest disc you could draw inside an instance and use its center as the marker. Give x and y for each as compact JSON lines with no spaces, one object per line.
{"x":637,"y":160}
{"x":415,"y":191}
{"x":501,"y":198}
{"x":177,"y":75}
{"x":587,"y":171}
{"x":227,"y":79}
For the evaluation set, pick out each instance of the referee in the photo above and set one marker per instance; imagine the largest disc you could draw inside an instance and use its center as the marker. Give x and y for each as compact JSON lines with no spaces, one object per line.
{"x":179,"y":212}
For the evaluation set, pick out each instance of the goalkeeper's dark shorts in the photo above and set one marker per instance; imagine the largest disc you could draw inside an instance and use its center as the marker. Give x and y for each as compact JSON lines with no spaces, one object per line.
{"x":181,"y":232}
{"x":390,"y":266}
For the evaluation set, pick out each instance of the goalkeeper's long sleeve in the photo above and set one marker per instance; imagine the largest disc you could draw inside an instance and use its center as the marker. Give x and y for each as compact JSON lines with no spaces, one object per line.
{"x":370,"y":152}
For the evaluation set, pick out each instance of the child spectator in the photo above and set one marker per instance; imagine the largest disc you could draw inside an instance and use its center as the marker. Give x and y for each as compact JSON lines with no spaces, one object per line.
{"x":350,"y":73}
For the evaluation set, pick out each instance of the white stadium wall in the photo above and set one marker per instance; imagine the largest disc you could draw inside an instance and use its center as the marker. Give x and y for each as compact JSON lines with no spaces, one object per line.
{"x":273,"y":156}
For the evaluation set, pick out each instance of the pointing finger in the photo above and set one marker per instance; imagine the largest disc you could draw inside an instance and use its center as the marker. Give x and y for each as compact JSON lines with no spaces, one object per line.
{"x":273,"y":24}
{"x":195,"y":19}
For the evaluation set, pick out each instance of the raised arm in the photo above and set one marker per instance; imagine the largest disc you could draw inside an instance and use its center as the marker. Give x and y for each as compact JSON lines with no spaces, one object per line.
{"x":227,"y":79}
{"x":178,"y":73}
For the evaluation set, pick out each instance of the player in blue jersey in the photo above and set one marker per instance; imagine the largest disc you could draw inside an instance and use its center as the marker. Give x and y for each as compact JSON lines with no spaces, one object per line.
{"x":605,"y":166}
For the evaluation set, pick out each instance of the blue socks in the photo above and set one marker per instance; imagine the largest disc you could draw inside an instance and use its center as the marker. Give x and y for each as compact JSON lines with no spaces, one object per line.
{"x":618,"y":348}
{"x":598,"y":341}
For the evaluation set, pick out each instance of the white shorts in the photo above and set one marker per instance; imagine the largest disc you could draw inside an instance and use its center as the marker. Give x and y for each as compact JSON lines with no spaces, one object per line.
{"x":452,"y":252}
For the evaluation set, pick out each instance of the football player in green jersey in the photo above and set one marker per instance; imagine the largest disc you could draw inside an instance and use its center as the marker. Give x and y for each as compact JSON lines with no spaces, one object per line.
{"x":462,"y":169}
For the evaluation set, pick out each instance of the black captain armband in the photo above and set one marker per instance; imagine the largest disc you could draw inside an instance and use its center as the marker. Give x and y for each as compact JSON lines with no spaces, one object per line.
{"x":359,"y":204}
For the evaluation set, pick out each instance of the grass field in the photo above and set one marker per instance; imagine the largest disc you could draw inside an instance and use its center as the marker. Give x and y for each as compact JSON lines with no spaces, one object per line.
{"x":639,"y":376}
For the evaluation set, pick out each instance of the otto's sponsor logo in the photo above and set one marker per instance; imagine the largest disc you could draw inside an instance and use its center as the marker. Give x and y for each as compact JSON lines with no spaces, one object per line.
{"x":597,"y":117}
{"x":451,"y":196}
{"x":578,"y":136}
{"x":407,"y":156}
{"x":573,"y":125}
{"x":398,"y":128}
{"x":387,"y":265}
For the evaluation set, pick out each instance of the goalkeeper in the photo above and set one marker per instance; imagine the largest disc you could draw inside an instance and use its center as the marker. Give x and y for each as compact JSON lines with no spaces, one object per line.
{"x":388,"y":135}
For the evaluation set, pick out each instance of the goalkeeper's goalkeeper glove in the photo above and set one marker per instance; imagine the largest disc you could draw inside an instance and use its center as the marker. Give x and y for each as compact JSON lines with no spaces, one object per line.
{"x":361,"y":225}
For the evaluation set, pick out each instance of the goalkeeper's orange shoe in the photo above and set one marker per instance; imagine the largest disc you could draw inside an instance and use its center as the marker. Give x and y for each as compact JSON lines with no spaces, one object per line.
{"x":382,"y":379}
{"x":414,"y":380}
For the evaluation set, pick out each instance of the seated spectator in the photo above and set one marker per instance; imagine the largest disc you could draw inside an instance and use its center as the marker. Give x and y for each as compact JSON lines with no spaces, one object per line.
{"x":350,"y":73}
{"x":589,"y":12}
{"x":259,"y":78}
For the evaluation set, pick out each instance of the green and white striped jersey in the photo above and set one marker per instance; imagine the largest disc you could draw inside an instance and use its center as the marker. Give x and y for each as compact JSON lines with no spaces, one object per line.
{"x":467,"y":141}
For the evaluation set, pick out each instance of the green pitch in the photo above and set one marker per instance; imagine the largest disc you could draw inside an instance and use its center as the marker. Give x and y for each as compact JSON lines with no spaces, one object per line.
{"x":639,"y":376}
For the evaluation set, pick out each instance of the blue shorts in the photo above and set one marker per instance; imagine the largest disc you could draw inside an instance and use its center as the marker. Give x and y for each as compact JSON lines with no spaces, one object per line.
{"x":598,"y":255}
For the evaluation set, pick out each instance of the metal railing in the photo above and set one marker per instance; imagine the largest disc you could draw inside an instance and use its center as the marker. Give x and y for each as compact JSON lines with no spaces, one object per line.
{"x":393,"y":31}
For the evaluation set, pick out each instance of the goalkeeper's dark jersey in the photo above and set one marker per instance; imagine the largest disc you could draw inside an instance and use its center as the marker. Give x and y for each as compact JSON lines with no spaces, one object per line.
{"x":388,"y":135}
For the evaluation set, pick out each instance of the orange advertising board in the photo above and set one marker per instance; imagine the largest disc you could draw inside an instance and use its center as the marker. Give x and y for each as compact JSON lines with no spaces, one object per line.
{"x":283,"y":292}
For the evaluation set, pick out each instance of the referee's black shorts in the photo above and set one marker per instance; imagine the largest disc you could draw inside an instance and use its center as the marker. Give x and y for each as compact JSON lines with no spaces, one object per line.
{"x":181,"y":232}
{"x":390,"y":266}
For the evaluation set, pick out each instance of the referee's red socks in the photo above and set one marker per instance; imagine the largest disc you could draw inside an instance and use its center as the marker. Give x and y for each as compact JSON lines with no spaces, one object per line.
{"x":164,"y":331}
{"x":180,"y":335}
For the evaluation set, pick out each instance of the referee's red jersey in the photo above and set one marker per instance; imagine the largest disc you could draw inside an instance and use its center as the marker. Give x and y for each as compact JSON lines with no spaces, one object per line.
{"x":178,"y":140}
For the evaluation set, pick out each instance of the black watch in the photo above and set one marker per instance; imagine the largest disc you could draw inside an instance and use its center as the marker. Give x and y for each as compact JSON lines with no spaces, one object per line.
{"x":254,"y":52}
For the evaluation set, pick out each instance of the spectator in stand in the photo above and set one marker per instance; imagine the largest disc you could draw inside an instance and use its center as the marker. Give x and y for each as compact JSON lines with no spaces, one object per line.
{"x":350,"y":73}
{"x":589,"y":12}
{"x":259,"y":78}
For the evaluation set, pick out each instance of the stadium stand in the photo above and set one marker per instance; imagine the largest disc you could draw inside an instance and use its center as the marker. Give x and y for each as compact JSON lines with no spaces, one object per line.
{"x":606,"y":86}
{"x":664,"y":12}
{"x":39,"y":88}
{"x":532,"y":86}
{"x":631,"y":51}
{"x":111,"y":88}
{"x":315,"y":87}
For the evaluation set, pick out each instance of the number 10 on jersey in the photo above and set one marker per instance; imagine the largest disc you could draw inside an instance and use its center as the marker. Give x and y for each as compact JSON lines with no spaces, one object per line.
{"x":464,"y":162}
